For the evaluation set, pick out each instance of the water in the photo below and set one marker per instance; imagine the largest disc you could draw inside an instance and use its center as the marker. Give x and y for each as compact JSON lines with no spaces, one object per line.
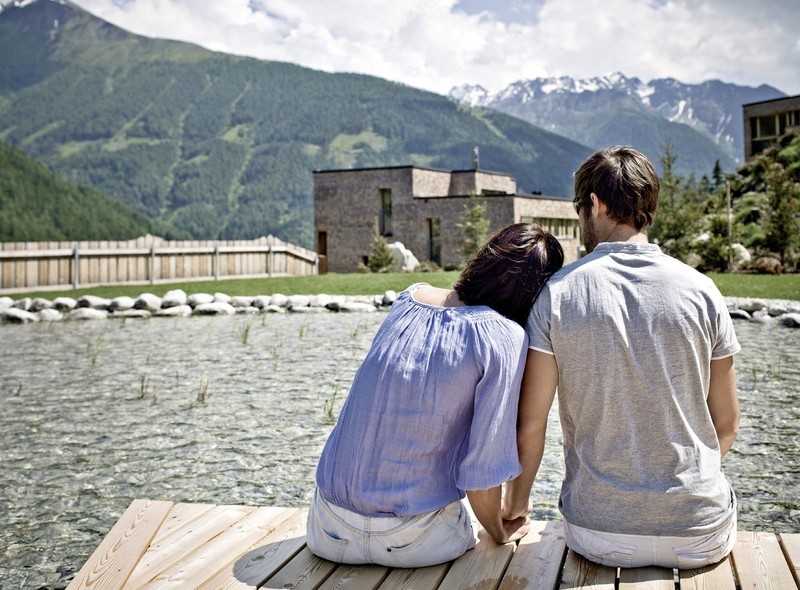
{"x":235,"y":410}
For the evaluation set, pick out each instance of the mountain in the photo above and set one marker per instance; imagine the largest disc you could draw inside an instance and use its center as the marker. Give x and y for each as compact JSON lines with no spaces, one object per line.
{"x":703,"y":122}
{"x":37,"y":206}
{"x":221,"y":146}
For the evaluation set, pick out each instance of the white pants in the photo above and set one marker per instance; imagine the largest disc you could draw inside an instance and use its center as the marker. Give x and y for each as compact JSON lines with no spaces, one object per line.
{"x":343,"y":536}
{"x":616,"y":550}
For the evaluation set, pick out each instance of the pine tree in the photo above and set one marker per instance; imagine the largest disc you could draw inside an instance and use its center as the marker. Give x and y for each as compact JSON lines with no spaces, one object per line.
{"x":381,"y":258}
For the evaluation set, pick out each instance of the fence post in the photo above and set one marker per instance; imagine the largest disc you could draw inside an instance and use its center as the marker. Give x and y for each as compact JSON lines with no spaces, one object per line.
{"x":153,"y":264}
{"x":76,"y":259}
{"x":216,"y":261}
{"x":271,"y":261}
{"x":316,"y":264}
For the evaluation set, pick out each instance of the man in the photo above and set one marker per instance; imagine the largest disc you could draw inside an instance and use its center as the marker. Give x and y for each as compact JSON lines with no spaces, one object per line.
{"x":640,"y":347}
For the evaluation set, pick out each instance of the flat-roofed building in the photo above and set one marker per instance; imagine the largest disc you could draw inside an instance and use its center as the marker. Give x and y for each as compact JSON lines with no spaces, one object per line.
{"x":422,"y":207}
{"x":766,"y":122}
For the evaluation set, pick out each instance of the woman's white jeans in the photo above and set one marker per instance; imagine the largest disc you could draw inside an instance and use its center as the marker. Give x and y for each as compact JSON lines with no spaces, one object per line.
{"x":343,"y":536}
{"x":618,"y":550}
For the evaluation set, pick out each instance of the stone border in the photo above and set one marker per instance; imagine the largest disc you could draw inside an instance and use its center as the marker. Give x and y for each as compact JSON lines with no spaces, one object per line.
{"x":177,"y":303}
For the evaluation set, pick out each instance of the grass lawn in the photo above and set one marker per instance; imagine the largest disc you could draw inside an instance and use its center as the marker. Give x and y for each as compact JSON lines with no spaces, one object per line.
{"x":733,"y":285}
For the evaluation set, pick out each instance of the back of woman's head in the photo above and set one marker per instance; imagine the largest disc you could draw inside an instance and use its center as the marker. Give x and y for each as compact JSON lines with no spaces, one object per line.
{"x":509,"y":270}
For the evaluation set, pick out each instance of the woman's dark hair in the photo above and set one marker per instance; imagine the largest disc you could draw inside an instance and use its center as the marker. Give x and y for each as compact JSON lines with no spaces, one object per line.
{"x":510,"y":269}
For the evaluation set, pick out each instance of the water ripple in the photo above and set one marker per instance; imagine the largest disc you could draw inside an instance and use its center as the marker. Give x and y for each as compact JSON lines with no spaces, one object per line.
{"x":233,"y":410}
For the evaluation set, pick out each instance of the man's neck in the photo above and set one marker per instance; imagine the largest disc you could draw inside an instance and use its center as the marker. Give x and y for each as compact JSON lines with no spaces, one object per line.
{"x":626,"y":233}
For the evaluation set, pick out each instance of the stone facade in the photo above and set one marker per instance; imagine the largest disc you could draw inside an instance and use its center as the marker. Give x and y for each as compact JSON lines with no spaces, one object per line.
{"x":422,"y":207}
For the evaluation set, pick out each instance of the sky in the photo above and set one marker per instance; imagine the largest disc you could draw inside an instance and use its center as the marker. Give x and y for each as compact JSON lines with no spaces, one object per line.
{"x":438,"y":44}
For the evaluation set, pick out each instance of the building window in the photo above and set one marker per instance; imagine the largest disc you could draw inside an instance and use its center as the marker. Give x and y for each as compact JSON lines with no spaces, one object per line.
{"x":386,"y":212}
{"x":435,"y":240}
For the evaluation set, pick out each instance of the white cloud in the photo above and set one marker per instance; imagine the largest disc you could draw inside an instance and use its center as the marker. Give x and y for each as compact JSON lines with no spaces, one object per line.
{"x":437,"y":44}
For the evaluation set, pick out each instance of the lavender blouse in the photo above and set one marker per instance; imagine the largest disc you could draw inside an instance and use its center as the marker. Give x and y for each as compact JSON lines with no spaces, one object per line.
{"x":432,"y":412}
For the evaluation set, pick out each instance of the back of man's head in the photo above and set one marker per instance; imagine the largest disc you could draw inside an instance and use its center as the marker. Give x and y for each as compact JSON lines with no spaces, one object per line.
{"x":623,"y":179}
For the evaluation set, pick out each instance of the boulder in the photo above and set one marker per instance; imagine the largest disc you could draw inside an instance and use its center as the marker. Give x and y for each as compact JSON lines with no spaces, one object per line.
{"x":261,"y":301}
{"x":133,"y":313}
{"x":196,"y":299}
{"x":5,"y":303}
{"x":215,"y":308}
{"x":389,"y":297}
{"x":179,"y":311}
{"x":241,"y":301}
{"x":309,"y":309}
{"x":222,"y":297}
{"x":174,"y":298}
{"x":751,"y":305}
{"x":791,"y":320}
{"x":63,"y":304}
{"x":93,"y":302}
{"x":274,"y":309}
{"x":23,"y":304}
{"x":739,"y":314}
{"x":320,"y":301}
{"x":298,"y":301}
{"x":15,"y":315}
{"x":405,"y":261}
{"x":148,"y":301}
{"x":40,"y":303}
{"x":122,"y":303}
{"x":279,"y":299}
{"x":50,"y":315}
{"x":87,"y":313}
{"x":356,"y":306}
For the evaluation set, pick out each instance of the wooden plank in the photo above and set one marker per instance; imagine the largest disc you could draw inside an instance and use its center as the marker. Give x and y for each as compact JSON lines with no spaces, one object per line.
{"x":582,"y":573}
{"x":184,"y":538}
{"x":262,"y":559}
{"x":481,"y":567}
{"x":790,"y":542}
{"x":180,"y":514}
{"x":423,"y":578}
{"x":759,"y":562}
{"x":539,"y":558}
{"x":207,"y":560}
{"x":646,"y":578}
{"x":357,"y":577}
{"x":113,"y":561}
{"x":713,"y":577}
{"x":305,"y":572}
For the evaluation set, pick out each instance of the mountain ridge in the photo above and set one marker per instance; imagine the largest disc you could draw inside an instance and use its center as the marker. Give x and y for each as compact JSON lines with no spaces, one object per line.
{"x":712,"y":107}
{"x":221,"y":146}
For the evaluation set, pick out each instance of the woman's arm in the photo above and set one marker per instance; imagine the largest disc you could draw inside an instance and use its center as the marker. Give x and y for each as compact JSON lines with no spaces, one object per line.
{"x":539,"y":383}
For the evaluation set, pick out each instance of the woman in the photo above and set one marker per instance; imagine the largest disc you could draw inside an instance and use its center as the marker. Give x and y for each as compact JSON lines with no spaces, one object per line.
{"x":432,"y":415}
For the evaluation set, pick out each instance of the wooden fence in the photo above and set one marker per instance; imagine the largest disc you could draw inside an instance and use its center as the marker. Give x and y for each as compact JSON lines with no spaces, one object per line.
{"x":27,"y":266}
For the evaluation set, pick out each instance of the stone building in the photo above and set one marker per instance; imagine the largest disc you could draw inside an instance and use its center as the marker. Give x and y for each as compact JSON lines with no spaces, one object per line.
{"x":767,"y":121}
{"x":422,"y":207}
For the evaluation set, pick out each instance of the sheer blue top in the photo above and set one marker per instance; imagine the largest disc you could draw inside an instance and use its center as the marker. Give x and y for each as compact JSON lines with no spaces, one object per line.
{"x":432,"y":412}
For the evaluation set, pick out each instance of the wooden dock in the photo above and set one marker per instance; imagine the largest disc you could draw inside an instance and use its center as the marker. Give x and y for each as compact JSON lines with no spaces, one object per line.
{"x":188,"y":546}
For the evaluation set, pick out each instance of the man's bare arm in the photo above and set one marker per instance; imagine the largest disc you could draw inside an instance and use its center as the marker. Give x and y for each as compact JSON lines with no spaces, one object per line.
{"x":723,"y":403}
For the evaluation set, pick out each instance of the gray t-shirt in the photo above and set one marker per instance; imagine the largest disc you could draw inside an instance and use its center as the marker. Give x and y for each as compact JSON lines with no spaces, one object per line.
{"x":633,"y":332}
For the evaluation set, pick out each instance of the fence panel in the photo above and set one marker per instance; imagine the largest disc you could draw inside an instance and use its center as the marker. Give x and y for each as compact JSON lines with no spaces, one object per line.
{"x":147,"y":259}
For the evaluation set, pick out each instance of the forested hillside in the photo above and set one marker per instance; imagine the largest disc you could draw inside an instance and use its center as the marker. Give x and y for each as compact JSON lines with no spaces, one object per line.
{"x":36,"y":205}
{"x":220,"y":146}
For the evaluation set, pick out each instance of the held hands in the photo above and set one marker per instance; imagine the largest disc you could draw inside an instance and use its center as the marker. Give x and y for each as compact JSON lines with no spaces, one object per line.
{"x":515,"y":529}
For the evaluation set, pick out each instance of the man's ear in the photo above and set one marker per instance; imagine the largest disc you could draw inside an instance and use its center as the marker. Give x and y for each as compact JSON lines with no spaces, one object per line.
{"x":598,"y":206}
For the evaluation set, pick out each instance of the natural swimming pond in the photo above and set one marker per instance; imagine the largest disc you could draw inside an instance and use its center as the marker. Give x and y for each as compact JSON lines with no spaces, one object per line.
{"x":236,"y":409}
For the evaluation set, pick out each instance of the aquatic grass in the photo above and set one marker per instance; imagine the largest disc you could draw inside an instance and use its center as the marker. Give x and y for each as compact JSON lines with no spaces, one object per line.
{"x":244,"y":329}
{"x":202,"y":395}
{"x":94,"y":346}
{"x":327,"y":405}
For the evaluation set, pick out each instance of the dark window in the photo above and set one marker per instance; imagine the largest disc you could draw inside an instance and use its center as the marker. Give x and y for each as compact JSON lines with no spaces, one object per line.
{"x":435,"y":240}
{"x":386,"y":212}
